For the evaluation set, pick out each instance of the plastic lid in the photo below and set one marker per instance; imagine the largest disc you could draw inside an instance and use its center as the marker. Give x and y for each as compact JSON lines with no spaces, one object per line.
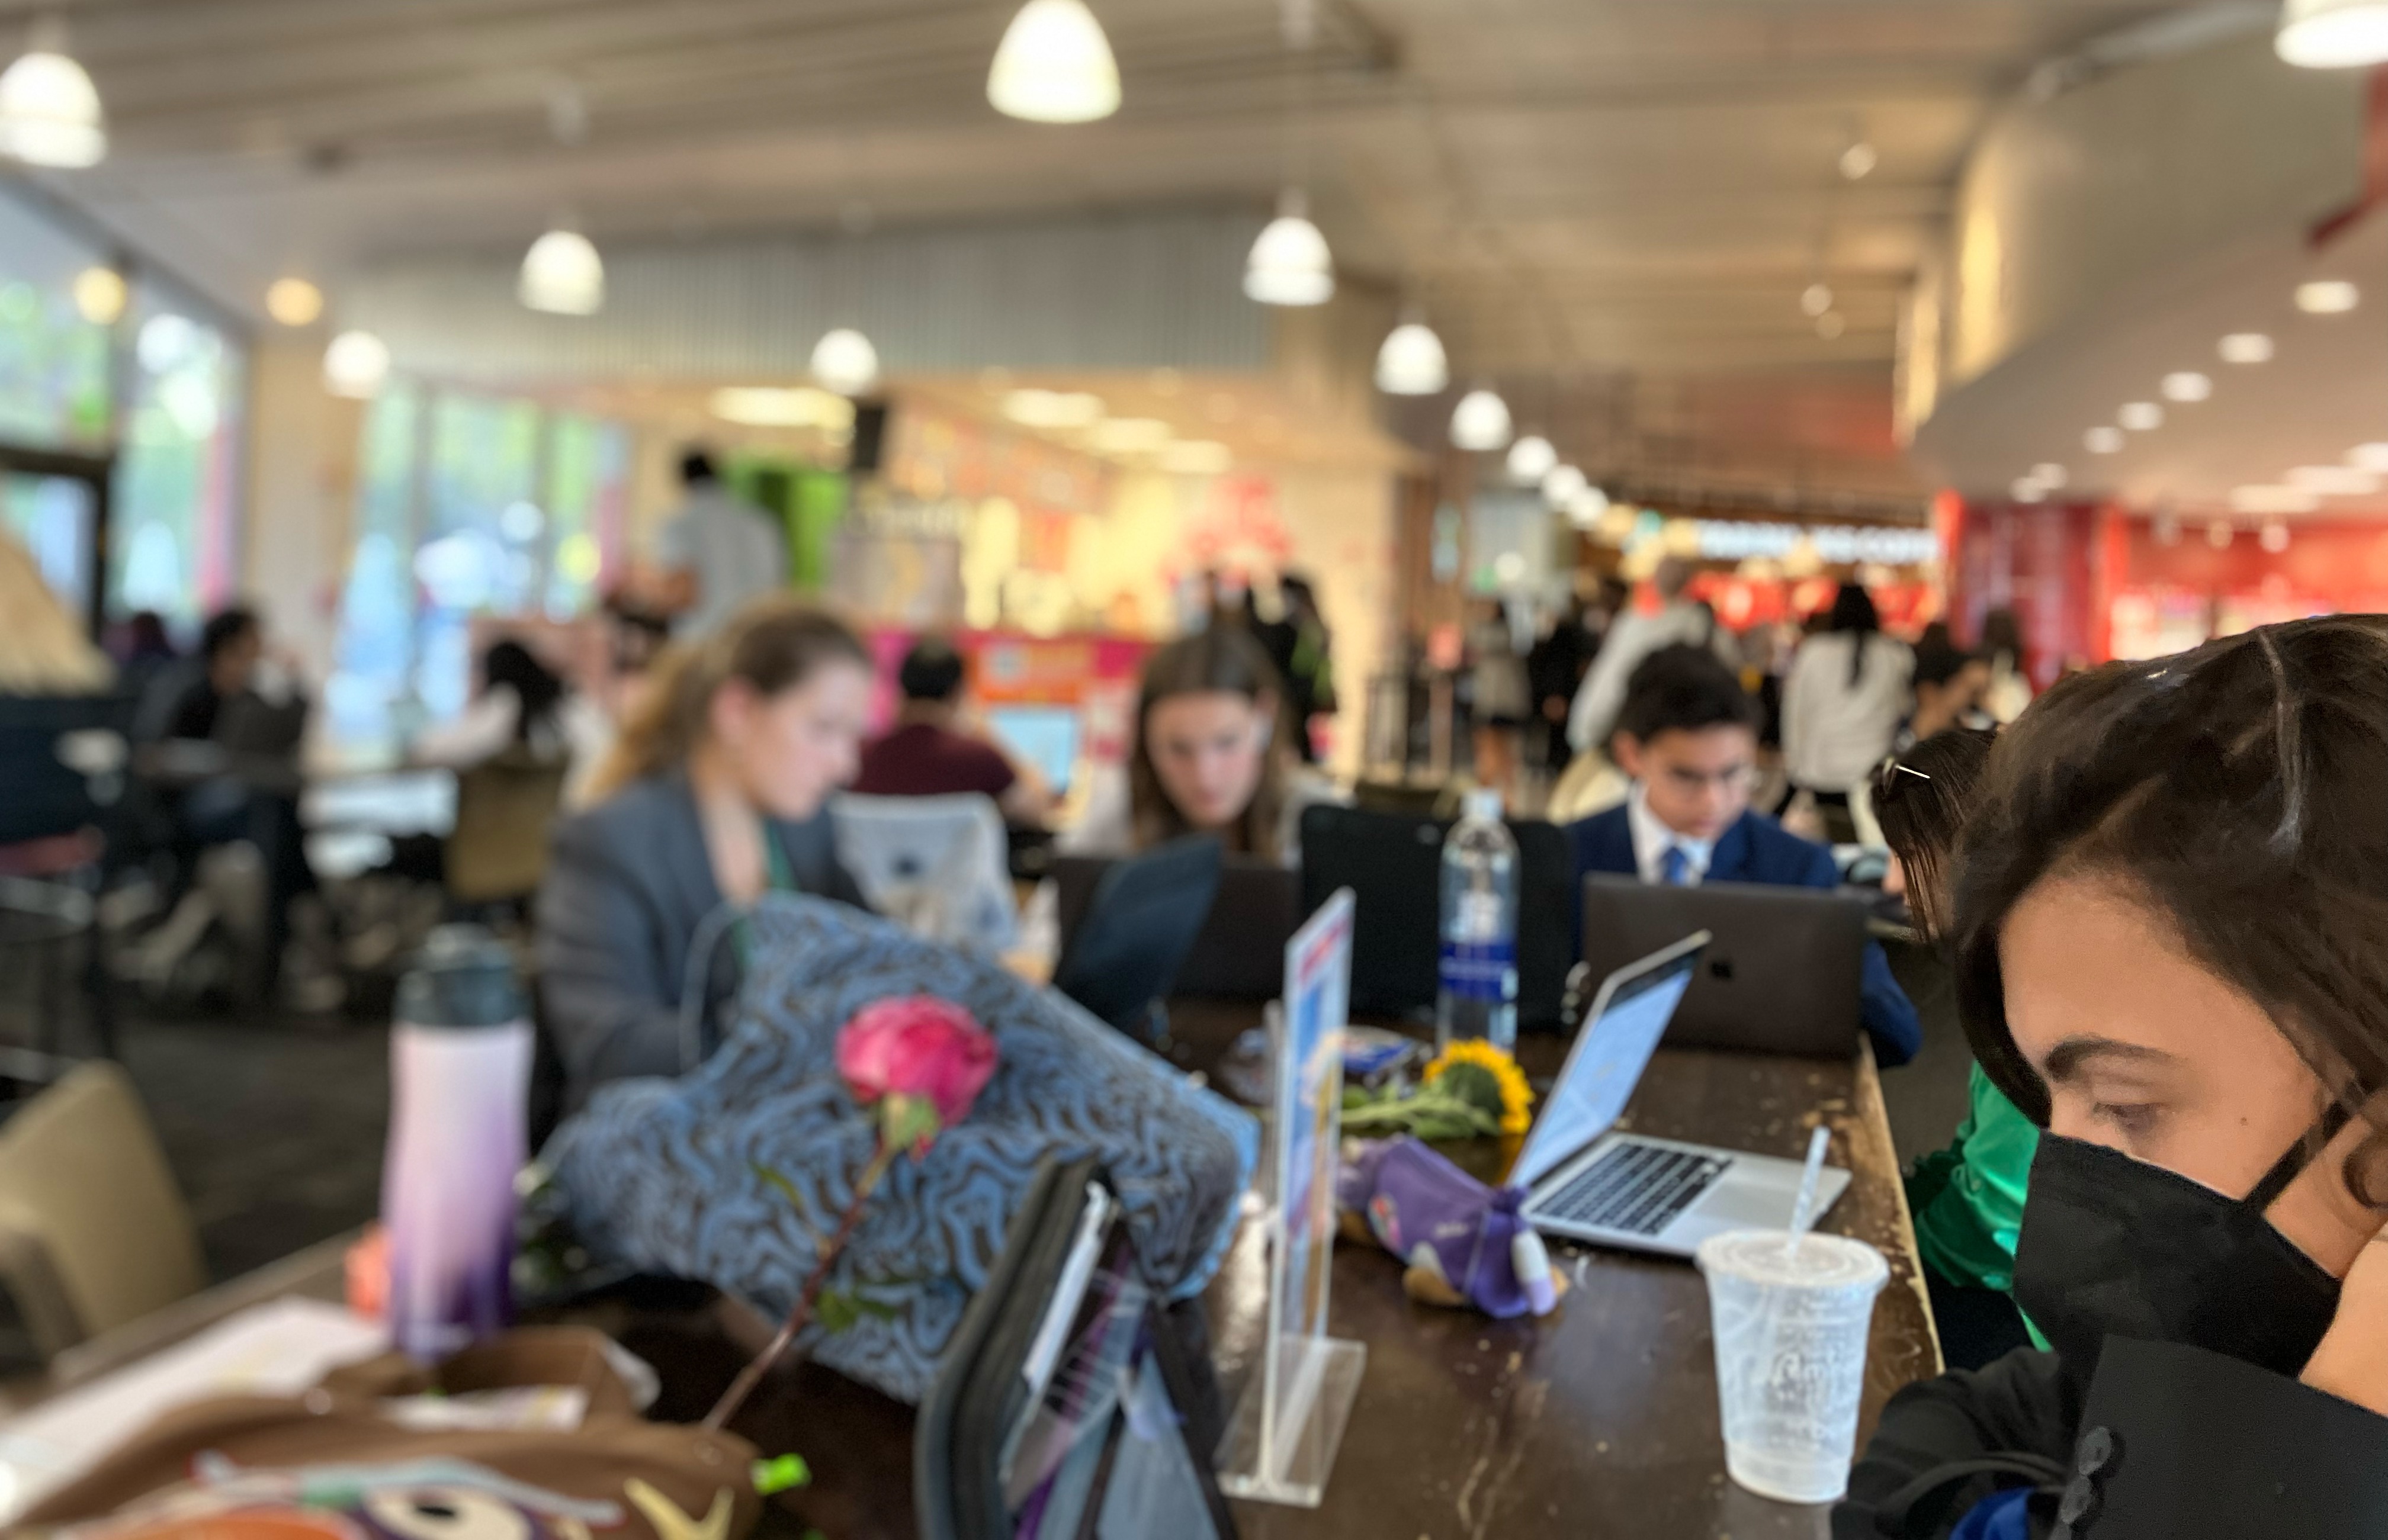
{"x":1767,"y":1256}
{"x":464,"y":976}
{"x":1484,"y":802}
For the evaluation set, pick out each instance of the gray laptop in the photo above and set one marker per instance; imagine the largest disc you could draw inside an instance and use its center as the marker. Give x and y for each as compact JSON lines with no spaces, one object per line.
{"x":1586,"y":1182}
{"x":1782,"y":970}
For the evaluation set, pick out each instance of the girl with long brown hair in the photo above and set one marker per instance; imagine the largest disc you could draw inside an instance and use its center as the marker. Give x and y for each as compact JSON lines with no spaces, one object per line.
{"x":716,"y":792}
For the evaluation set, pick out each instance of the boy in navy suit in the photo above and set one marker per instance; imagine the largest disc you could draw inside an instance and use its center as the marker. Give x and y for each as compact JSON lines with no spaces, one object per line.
{"x":1689,"y":736}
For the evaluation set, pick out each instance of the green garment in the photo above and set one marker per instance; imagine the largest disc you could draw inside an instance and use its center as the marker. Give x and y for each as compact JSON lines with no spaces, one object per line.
{"x":1968,"y":1198}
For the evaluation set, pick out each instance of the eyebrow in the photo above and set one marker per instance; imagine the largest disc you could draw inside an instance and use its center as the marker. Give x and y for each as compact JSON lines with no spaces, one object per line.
{"x":2068,"y":1059}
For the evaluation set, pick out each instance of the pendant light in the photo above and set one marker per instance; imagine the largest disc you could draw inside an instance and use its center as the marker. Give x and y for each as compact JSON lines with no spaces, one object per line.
{"x":1054,"y":66}
{"x":355,"y":365}
{"x":1290,"y":264}
{"x":1563,"y":485}
{"x":2333,"y":35}
{"x":845,"y":361}
{"x":1412,"y":361}
{"x":49,"y":109}
{"x":1530,"y":459}
{"x":562,"y":274}
{"x":1480,"y":422}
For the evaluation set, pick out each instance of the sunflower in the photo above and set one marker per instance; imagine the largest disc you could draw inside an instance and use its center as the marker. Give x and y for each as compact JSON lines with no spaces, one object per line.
{"x":1485,"y":1077}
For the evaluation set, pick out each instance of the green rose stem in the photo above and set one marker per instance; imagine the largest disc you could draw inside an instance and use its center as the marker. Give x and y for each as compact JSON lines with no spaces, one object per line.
{"x":752,"y":1375}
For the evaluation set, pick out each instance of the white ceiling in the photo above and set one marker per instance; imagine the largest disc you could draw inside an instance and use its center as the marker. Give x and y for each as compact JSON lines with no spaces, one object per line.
{"x":1615,"y":202}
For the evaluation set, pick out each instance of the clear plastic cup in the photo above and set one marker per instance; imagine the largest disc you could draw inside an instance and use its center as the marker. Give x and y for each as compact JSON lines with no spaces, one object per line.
{"x":1791,"y":1324}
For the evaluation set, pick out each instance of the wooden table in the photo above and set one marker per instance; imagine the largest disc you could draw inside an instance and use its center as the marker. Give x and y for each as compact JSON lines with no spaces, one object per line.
{"x":1599,"y":1421}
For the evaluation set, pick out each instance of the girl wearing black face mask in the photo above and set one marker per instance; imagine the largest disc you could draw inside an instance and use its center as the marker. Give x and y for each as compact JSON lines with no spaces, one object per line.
{"x":2172,"y":946}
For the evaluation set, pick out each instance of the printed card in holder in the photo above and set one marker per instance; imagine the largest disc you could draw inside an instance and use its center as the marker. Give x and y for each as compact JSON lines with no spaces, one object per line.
{"x":1280,"y":1446}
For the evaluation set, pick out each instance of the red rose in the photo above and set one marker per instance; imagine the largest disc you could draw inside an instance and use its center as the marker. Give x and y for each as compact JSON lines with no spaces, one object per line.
{"x":917,"y":1046}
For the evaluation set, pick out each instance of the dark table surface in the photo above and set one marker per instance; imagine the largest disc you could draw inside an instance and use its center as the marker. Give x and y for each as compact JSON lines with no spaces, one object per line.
{"x":1600,"y":1421}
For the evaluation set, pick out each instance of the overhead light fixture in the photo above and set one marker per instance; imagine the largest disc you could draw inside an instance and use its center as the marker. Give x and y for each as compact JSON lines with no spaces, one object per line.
{"x":1531,"y":458}
{"x":2141,"y":416}
{"x":2247,"y":348}
{"x":1291,"y":264}
{"x":1128,"y":435}
{"x":2333,"y":35}
{"x":1053,"y":409}
{"x":100,"y":295}
{"x":49,"y":109}
{"x":562,"y":274}
{"x":1480,"y":422}
{"x":2369,"y":457}
{"x":2049,"y":474}
{"x":355,"y":365}
{"x":779,"y":407}
{"x":1816,"y":298}
{"x":2328,"y":297}
{"x":2186,"y":386}
{"x":2102,"y":440}
{"x":1831,"y":324}
{"x":1859,"y":160}
{"x":2025,"y":489}
{"x":293,"y":301}
{"x":1195,"y":457}
{"x":1588,"y":507}
{"x":1562,"y":484}
{"x":2218,"y":534}
{"x":2334,"y":481}
{"x":2272,"y":499}
{"x":1054,"y":66}
{"x":845,"y":361}
{"x":1412,"y":361}
{"x":2275,"y":537}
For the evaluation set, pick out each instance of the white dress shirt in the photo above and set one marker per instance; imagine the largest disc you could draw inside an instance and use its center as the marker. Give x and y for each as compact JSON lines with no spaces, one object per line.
{"x":1651,"y":838}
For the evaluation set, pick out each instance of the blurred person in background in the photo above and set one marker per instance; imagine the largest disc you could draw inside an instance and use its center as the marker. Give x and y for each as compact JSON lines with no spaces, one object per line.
{"x":927,"y":754}
{"x":43,"y":651}
{"x":717,"y":552}
{"x":1689,"y":736}
{"x":1949,"y":686}
{"x":142,"y":650}
{"x":1633,"y":636}
{"x":716,"y":793}
{"x":1842,"y":703}
{"x":1500,"y":700}
{"x":1208,"y":757}
{"x":2010,"y":688}
{"x":1967,"y":1199}
{"x":524,"y":706}
{"x":247,"y":704}
{"x":1554,"y":670}
{"x":1299,"y":645}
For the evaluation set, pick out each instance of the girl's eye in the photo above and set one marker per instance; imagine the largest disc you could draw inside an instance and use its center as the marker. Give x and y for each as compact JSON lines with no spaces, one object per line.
{"x":2135,"y":1120}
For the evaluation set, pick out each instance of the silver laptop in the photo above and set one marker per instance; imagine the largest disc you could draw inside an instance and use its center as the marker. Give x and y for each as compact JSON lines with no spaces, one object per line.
{"x":1584,"y":1183}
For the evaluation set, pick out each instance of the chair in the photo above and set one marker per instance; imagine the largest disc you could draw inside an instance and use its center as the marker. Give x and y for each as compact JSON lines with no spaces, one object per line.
{"x":92,"y":1232}
{"x":505,"y":809}
{"x":940,"y":866}
{"x":62,"y":759}
{"x":1143,"y":919}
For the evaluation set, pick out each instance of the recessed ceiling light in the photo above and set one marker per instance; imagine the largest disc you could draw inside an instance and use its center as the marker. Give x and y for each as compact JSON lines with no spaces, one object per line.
{"x":2273,"y":499}
{"x":2048,"y":473}
{"x":1816,"y":298}
{"x":2026,"y":489}
{"x":1195,"y":457}
{"x":2247,"y":348}
{"x":2141,"y":416}
{"x":2334,"y":481}
{"x":2328,"y":297}
{"x":1053,"y":409}
{"x":2102,"y":440}
{"x":1127,"y":435}
{"x":2332,"y":34}
{"x":1859,"y":160}
{"x":773,"y":407}
{"x":2369,"y":457}
{"x":1831,"y":324}
{"x":2187,"y":385}
{"x":293,"y":301}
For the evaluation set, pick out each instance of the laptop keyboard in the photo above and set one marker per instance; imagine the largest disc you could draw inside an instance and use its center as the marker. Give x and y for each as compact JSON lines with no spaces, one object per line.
{"x":1636,"y":1188}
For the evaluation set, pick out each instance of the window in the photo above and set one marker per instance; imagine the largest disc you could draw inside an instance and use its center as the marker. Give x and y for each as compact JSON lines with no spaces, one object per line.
{"x":177,"y":514}
{"x":588,"y":487}
{"x":53,"y":359}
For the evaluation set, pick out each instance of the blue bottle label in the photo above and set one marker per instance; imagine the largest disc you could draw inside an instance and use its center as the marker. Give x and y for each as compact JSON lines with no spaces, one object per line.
{"x":1480,"y":970}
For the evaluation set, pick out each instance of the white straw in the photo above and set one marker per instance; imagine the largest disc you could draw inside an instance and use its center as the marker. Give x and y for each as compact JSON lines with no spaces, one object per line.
{"x":1803,"y":1213}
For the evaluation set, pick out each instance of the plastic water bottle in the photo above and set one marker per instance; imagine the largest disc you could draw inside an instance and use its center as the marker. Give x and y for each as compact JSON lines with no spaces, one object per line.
{"x":460,"y":1078}
{"x":1477,"y":993}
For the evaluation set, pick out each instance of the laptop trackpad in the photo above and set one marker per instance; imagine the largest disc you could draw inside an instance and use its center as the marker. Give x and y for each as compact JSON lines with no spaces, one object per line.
{"x":1755,"y":1205}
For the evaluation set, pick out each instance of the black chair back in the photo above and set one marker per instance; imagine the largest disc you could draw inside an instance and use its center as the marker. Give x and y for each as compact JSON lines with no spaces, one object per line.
{"x":1139,"y":926}
{"x":46,"y":795}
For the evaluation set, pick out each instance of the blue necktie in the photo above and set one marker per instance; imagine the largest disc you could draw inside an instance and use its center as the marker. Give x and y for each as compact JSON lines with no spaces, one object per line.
{"x":1674,"y":866}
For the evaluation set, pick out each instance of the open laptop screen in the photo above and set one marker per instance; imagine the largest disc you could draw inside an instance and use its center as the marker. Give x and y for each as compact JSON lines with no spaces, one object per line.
{"x":1606,"y":1062}
{"x":1044,"y":737}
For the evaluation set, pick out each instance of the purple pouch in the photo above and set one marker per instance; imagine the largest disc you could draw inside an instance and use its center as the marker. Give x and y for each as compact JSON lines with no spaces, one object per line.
{"x":1449,"y":1226}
